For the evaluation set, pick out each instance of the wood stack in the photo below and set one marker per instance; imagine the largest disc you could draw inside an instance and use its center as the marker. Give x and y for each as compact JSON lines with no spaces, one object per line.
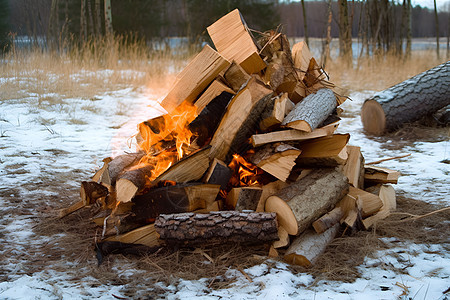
{"x":261,"y":163}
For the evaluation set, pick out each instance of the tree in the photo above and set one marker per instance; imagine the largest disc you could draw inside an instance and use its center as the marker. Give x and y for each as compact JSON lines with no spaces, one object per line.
{"x":305,"y":24}
{"x":345,"y":33}
{"x":437,"y":29}
{"x":4,"y":26}
{"x":108,"y":18}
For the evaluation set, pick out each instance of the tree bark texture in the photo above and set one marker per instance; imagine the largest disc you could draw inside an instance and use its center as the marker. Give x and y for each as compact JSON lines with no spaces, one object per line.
{"x":407,"y":101}
{"x":217,"y":227}
{"x":313,"y":110}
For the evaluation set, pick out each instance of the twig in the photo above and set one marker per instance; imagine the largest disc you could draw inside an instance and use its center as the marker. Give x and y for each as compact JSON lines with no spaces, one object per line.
{"x":416,"y":217}
{"x":386,"y":159}
{"x":245,"y":274}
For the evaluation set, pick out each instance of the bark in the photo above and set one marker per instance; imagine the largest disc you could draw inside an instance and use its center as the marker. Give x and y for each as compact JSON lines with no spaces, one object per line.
{"x":91,"y":18}
{"x":217,"y":227}
{"x":117,"y":165}
{"x":312,"y":111}
{"x":108,"y":18}
{"x":407,"y":101}
{"x":301,"y":203}
{"x":98,"y":18}
{"x":305,"y":24}
{"x":83,"y":22}
{"x":408,"y":29}
{"x":345,"y":35}
{"x":326,"y":51}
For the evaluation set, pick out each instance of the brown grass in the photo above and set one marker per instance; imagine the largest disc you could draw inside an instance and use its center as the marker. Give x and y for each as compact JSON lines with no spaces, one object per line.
{"x":379,"y":73}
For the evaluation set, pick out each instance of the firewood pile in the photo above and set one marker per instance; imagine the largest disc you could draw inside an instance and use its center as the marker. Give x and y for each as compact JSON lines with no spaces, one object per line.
{"x":247,"y":152}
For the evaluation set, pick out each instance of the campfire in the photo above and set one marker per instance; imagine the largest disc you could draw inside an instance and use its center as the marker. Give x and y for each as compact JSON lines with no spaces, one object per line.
{"x":247,"y":152}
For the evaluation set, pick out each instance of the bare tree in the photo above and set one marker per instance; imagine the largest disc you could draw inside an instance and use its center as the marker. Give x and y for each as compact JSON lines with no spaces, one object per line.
{"x":98,"y":18}
{"x":91,"y":18}
{"x":108,"y":18}
{"x":437,"y":29}
{"x":345,"y":36}
{"x":83,"y":21}
{"x":305,"y":25}
{"x":326,"y":51}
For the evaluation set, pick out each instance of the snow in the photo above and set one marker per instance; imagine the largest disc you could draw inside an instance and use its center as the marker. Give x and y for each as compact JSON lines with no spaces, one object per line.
{"x":46,"y":144}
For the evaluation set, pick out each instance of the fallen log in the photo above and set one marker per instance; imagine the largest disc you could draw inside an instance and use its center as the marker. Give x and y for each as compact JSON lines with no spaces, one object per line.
{"x":407,"y":101}
{"x":312,"y":111}
{"x":301,"y":203}
{"x":191,"y":229}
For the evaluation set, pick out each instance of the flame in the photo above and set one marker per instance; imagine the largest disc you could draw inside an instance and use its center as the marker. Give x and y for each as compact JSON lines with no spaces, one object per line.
{"x":244,"y":173}
{"x":166,"y":139}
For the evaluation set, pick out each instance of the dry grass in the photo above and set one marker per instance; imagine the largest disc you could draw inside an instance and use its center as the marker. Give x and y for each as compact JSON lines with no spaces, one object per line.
{"x":94,"y":68}
{"x":379,"y":73}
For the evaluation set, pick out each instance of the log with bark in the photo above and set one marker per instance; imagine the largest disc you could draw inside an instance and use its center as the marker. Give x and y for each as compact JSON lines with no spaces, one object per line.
{"x":301,"y":203}
{"x":115,"y":167}
{"x":308,"y":114}
{"x":407,"y":101}
{"x":217,"y":228}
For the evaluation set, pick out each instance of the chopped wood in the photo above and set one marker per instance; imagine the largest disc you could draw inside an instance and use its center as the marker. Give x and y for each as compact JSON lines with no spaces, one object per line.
{"x":98,"y":175}
{"x":267,"y":191}
{"x":244,"y":198}
{"x":292,"y":135}
{"x":145,"y":235}
{"x":73,"y":208}
{"x":131,"y":181}
{"x":354,"y":167}
{"x":306,"y":249}
{"x":189,"y":168}
{"x":215,"y":206}
{"x":276,"y":112}
{"x":312,"y":111}
{"x":233,"y":40}
{"x":118,"y":164}
{"x":380,"y":175}
{"x":328,"y":220}
{"x":386,"y":159}
{"x":276,"y":159}
{"x":387,"y":196}
{"x":236,"y":76}
{"x":370,"y":202}
{"x":325,"y":151}
{"x":218,"y":173}
{"x":301,"y":57}
{"x":283,"y":238}
{"x":298,"y":93}
{"x":215,"y":89}
{"x":273,"y":253}
{"x":217,"y":227}
{"x":90,"y":193}
{"x":240,"y":121}
{"x":301,"y":203}
{"x":198,"y":74}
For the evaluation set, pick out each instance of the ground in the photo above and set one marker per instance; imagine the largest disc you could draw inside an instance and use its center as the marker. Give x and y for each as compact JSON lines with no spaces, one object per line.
{"x":49,"y":145}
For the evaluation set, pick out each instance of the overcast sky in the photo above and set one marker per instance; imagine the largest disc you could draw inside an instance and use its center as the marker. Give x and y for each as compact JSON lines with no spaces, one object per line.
{"x":430,"y":3}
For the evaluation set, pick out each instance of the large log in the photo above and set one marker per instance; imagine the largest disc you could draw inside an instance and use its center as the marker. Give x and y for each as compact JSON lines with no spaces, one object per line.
{"x":407,"y":101}
{"x":312,"y":111}
{"x":217,"y":227}
{"x":301,"y":203}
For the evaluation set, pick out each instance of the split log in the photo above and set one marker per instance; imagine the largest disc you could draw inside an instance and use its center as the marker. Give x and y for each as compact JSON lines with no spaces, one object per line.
{"x":217,"y":227}
{"x":326,"y":151}
{"x":354,"y":167}
{"x":292,"y":135}
{"x":407,"y":101}
{"x":370,"y":203}
{"x":118,"y":164}
{"x":283,"y":238}
{"x":387,"y":196}
{"x":145,"y":235}
{"x":301,"y":203}
{"x":328,"y":220}
{"x":90,"y":193}
{"x":197,"y":75}
{"x":218,"y":173}
{"x":312,"y":111}
{"x":215,"y":89}
{"x":307,"y":248}
{"x":279,"y":108}
{"x":189,"y":168}
{"x":236,"y":76}
{"x":98,"y":175}
{"x":232,"y":39}
{"x":131,"y":181}
{"x":240,"y":121}
{"x":374,"y":175}
{"x":276,"y":159}
{"x":301,"y":56}
{"x":244,"y":198}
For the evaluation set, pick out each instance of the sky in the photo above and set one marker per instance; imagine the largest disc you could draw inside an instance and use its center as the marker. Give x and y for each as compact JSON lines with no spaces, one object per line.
{"x":429,"y":3}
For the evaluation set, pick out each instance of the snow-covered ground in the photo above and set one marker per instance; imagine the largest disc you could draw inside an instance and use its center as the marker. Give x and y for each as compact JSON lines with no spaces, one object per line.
{"x":44,"y":145}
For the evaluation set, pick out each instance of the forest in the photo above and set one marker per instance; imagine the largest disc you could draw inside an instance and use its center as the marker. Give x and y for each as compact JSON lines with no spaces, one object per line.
{"x":381,"y":25}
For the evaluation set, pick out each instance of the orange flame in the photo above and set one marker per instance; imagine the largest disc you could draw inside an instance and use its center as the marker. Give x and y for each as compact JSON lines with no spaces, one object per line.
{"x":166,"y":139}
{"x":244,"y":173}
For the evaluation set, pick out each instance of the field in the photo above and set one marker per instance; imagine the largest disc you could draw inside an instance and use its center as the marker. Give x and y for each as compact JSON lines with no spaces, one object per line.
{"x":60,"y":115}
